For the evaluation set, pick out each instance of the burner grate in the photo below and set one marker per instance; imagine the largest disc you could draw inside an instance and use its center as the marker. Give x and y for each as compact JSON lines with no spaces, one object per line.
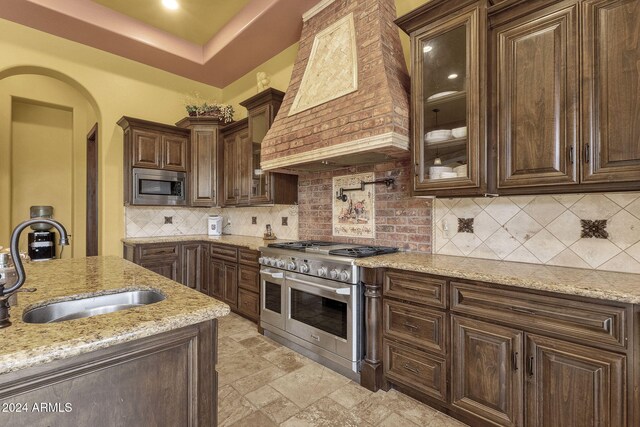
{"x":363,"y":251}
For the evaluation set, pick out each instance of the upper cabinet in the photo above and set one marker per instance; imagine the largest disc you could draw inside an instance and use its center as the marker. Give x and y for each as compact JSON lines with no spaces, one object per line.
{"x":154,"y":145}
{"x":448,"y":96}
{"x":567,"y":95}
{"x":611,"y":91}
{"x":245,"y":182}
{"x":206,"y":153}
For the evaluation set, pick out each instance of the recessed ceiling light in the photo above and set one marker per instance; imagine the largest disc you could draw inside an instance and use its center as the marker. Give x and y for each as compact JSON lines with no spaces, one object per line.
{"x":171,"y":4}
{"x":453,"y":76}
{"x":427,"y":49}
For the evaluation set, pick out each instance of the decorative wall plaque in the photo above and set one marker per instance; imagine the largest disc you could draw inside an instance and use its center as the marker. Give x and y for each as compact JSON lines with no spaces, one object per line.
{"x":332,"y":69}
{"x":356,"y":216}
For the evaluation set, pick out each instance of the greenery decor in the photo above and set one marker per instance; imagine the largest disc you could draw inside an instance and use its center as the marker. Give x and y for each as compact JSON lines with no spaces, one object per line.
{"x":199,"y":107}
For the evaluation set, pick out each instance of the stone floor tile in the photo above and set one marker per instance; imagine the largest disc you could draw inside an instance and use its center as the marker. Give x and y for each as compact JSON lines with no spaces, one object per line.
{"x":325,"y":413}
{"x":286,"y":359}
{"x":309,"y":384}
{"x":280,"y":409}
{"x":350,"y":394}
{"x":256,"y":419}
{"x":232,"y":406}
{"x":259,"y":345}
{"x":397,"y":420}
{"x":228,"y":346}
{"x":255,"y":381}
{"x":233,"y":367}
{"x":262,"y":396}
{"x":442,"y":420}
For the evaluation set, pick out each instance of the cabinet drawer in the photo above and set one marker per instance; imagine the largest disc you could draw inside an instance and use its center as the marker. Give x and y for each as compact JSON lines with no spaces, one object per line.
{"x":589,"y":322}
{"x":156,"y":251}
{"x":227,"y":253}
{"x":249,"y":278}
{"x":421,"y":371}
{"x":419,"y":326}
{"x":415,"y":287}
{"x":248,"y":303}
{"x":248,"y":257}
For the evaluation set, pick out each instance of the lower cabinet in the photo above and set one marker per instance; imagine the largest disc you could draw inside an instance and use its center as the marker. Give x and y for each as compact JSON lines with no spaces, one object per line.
{"x":489,"y":361}
{"x":487,"y":370}
{"x":223,"y":281}
{"x":226,"y":272}
{"x":573,"y":385}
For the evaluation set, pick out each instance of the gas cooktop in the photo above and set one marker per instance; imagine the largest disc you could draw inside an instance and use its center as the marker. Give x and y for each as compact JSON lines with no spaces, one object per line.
{"x":332,"y":248}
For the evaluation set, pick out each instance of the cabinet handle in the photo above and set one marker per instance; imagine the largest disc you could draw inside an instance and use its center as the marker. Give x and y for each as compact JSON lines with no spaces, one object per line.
{"x":411,"y":368}
{"x":571,"y":154}
{"x":411,"y":326}
{"x":530,"y":366}
{"x":515,"y":360}
{"x":587,"y":153}
{"x":213,"y":193}
{"x":607,"y":325}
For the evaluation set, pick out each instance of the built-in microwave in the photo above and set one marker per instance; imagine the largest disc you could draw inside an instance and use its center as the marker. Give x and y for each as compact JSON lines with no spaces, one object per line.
{"x":159,"y":187}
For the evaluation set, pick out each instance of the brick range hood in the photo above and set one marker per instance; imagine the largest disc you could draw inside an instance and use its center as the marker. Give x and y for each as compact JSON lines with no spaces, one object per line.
{"x":348,"y":99}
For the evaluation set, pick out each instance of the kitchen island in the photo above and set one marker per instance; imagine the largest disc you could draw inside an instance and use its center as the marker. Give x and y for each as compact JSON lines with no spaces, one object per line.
{"x":149,"y":365}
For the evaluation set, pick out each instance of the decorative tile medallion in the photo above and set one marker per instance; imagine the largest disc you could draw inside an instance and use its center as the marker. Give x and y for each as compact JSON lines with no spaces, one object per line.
{"x":594,"y":228}
{"x":356,"y":216}
{"x":465,"y":225}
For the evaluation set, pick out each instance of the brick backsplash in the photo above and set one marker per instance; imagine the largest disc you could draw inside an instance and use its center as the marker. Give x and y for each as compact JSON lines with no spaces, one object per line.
{"x":401,"y":220}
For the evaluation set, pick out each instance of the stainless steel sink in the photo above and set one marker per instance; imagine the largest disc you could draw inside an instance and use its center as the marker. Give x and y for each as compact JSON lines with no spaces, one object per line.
{"x":91,"y":306}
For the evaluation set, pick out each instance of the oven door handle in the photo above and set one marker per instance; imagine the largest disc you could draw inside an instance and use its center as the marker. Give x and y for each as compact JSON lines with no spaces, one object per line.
{"x":274,"y":275}
{"x":340,"y":291}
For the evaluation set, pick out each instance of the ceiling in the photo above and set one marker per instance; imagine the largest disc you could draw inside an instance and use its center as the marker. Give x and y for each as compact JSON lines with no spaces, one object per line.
{"x":211,"y":41}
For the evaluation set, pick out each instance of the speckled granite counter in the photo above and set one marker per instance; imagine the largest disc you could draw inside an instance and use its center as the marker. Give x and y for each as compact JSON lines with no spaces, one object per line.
{"x":229,"y":239}
{"x":25,"y":345}
{"x":624,"y":287}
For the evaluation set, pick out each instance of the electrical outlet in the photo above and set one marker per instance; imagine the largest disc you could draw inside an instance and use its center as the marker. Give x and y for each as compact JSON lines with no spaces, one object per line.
{"x":285,"y":220}
{"x":254,"y":220}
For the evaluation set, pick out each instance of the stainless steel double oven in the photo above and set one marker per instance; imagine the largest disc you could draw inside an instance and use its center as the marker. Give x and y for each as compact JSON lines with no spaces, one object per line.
{"x":319,"y":315}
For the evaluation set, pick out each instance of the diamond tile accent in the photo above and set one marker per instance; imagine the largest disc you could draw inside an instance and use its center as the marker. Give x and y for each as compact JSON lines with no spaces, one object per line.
{"x":544,"y":229}
{"x":465,"y":225}
{"x":544,"y":245}
{"x":595,"y":251}
{"x":502,"y":209}
{"x":522,"y":227}
{"x":596,"y":228}
{"x":544,"y":209}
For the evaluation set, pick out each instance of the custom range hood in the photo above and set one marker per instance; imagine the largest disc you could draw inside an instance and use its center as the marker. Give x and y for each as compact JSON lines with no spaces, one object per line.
{"x":348,"y":99}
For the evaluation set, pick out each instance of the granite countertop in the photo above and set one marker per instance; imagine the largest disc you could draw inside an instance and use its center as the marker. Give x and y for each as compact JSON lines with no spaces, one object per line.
{"x":25,"y":345}
{"x":230,"y":239}
{"x":605,"y":285}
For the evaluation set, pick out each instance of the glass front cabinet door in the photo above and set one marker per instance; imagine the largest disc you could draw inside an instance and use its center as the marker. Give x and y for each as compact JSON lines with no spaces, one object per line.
{"x":448,"y":98}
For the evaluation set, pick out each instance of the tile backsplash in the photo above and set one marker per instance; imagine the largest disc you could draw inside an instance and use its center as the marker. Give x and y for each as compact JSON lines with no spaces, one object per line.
{"x":176,"y":221}
{"x":599,"y":231}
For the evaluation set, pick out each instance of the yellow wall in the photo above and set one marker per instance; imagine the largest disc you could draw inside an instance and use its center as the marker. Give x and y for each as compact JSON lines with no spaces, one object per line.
{"x":278,"y":69}
{"x":114,"y":87}
{"x":42,"y":144}
{"x":29,"y":107}
{"x":280,"y":66}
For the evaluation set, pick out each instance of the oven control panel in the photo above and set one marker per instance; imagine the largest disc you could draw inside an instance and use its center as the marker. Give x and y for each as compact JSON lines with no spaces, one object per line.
{"x":339,"y":271}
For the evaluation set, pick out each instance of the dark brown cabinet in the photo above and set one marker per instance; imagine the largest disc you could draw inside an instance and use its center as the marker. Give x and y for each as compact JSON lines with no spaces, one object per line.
{"x":223,"y":274}
{"x":206,"y":156}
{"x":245,"y":182}
{"x":161,"y":258}
{"x":611,"y":91}
{"x":236,"y":166}
{"x":574,"y":385}
{"x":152,"y":145}
{"x":194,"y":266}
{"x":248,"y":284}
{"x":487,"y":370}
{"x":448,"y":96}
{"x":492,"y":355}
{"x":537,"y":98}
{"x":567,"y":107}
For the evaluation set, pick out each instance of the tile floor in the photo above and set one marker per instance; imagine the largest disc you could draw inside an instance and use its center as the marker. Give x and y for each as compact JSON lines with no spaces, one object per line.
{"x":263,"y":384}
